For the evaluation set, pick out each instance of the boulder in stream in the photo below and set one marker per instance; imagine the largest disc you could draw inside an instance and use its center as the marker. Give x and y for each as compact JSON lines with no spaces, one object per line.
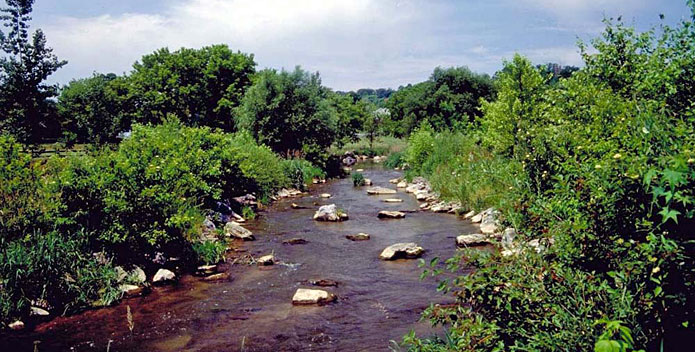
{"x":323,"y":282}
{"x":295,"y":241}
{"x":381,"y":190}
{"x":401,"y":250}
{"x":358,"y":237}
{"x":163,"y":275}
{"x":266,"y":260}
{"x":402,"y":184}
{"x":305,"y":296}
{"x":233,"y":229}
{"x":16,"y":325}
{"x":330,"y":213}
{"x":130,"y":290}
{"x":325,"y":195}
{"x":386,"y":214}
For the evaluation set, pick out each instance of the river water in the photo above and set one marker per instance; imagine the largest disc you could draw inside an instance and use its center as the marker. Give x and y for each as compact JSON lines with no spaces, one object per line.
{"x":378,"y":301}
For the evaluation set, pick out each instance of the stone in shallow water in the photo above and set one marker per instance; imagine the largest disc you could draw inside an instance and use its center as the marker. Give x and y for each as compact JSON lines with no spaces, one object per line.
{"x":392,"y":200}
{"x":402,"y":184}
{"x":163,"y":275}
{"x":17,"y":325}
{"x":266,"y":260}
{"x":325,"y":195}
{"x":401,"y":250}
{"x":385,"y":214}
{"x":472,"y":240}
{"x":305,"y":296}
{"x":206,"y":270}
{"x":39,"y":312}
{"x":297,"y":206}
{"x":381,"y":190}
{"x":358,"y":237}
{"x":131,"y":290}
{"x":235,"y":230}
{"x":294,"y":241}
{"x":330,"y":213}
{"x":323,"y":282}
{"x":217,"y":277}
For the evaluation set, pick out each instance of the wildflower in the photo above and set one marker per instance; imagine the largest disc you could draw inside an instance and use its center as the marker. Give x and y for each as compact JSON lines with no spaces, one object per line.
{"x":598,"y":166}
{"x":617,"y":156}
{"x":656,"y":270}
{"x":691,"y":160}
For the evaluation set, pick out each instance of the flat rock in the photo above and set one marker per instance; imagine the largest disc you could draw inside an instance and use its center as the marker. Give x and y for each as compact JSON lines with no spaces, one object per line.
{"x":381,"y":190}
{"x":305,"y":296}
{"x":469,"y":214}
{"x":325,"y":195}
{"x":402,"y":184}
{"x":36,"y":311}
{"x":163,"y":275}
{"x":235,"y":230}
{"x":472,"y":240}
{"x":392,"y":200}
{"x":395,"y":180}
{"x":266,"y":260}
{"x":367,"y":182}
{"x":297,"y":206}
{"x":217,"y":277}
{"x":360,"y":170}
{"x":294,"y":241}
{"x":358,"y":237}
{"x":131,"y":290}
{"x":386,"y":214}
{"x":206,"y":270}
{"x":401,"y":250}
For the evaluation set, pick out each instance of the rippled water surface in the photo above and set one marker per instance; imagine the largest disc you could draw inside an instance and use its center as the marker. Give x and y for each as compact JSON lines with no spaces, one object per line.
{"x":378,"y":301}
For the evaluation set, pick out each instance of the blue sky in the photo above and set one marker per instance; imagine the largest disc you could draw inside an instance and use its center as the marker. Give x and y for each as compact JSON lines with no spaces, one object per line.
{"x":352,"y":43}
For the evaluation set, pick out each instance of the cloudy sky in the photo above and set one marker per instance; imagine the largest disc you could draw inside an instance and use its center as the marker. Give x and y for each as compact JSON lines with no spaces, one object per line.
{"x":352,"y":43}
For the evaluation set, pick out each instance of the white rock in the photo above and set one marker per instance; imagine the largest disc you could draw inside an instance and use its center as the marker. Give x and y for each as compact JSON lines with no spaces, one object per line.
{"x":395,"y":180}
{"x":330,"y":213}
{"x":358,"y":237}
{"x":469,"y":214}
{"x":163,"y":275}
{"x":130,"y":290}
{"x":360,"y":170}
{"x":235,"y":230}
{"x":17,"y":325}
{"x":472,"y":240}
{"x":325,"y":195}
{"x":311,"y":296}
{"x":401,"y":250}
{"x":381,"y":190}
{"x":392,"y":200}
{"x":207,"y":269}
{"x":367,"y":182}
{"x":39,"y":312}
{"x":266,"y":260}
{"x":385,"y":214}
{"x":402,"y":184}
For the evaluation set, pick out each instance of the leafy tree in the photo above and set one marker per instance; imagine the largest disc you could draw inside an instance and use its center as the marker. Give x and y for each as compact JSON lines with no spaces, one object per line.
{"x":95,"y":109}
{"x":201,"y":87}
{"x":448,"y":99}
{"x":290,"y":113}
{"x":351,"y":114}
{"x":25,"y":65}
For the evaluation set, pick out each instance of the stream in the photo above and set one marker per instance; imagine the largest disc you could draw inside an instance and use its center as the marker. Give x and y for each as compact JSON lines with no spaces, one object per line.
{"x":378,"y":301}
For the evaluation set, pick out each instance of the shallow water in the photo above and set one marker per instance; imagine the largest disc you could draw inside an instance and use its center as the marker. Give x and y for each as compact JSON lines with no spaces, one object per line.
{"x":378,"y":301}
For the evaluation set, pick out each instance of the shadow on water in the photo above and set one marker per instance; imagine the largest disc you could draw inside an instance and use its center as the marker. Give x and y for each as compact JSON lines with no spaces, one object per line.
{"x":378,"y":301}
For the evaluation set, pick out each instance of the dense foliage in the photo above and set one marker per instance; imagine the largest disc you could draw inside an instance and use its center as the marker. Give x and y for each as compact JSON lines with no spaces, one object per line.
{"x":292,"y":113}
{"x":599,"y":168}
{"x":449,"y":99}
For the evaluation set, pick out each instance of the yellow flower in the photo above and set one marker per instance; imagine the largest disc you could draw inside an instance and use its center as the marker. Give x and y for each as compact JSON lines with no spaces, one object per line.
{"x":691,"y":160}
{"x":617,"y":156}
{"x":598,"y":166}
{"x":656,"y":270}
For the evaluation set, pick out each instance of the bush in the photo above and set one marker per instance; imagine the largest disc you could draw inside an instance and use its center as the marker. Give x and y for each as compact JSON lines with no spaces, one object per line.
{"x":358,"y":179}
{"x":394,"y":160}
{"x":382,"y":145}
{"x":210,"y":252}
{"x":150,"y":192}
{"x":301,"y":172}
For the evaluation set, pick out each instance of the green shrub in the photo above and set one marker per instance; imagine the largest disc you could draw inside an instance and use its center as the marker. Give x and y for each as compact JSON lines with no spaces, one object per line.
{"x":394,"y":160}
{"x":248,"y":213}
{"x":210,"y":252}
{"x":301,"y":172}
{"x":358,"y":179}
{"x":382,"y":145}
{"x":151,"y":190}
